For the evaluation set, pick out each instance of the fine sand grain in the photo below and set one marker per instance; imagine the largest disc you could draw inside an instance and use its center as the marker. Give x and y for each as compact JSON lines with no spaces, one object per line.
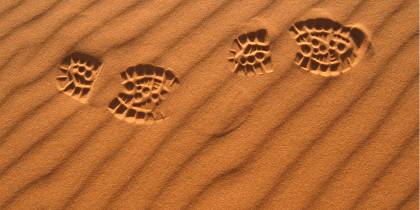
{"x":246,"y":104}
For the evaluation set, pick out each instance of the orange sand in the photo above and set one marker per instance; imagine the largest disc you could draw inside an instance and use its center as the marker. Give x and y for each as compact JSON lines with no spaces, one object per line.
{"x":286,"y":139}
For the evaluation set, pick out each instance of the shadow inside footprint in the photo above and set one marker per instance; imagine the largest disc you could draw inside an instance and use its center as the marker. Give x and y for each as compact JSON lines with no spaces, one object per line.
{"x":326,"y":47}
{"x":145,"y":86}
{"x":251,"y":53}
{"x":77,"y":73}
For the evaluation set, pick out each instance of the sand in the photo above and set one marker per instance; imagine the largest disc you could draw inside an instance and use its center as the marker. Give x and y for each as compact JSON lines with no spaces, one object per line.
{"x":216,"y":136}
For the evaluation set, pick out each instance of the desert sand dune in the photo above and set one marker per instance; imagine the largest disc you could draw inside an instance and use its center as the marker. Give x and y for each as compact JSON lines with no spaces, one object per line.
{"x":222,"y":138}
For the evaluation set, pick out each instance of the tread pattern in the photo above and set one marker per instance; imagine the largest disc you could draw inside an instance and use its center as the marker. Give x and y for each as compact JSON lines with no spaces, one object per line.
{"x":145,"y":86}
{"x":326,"y":47}
{"x":251,"y":53}
{"x":77,"y":73}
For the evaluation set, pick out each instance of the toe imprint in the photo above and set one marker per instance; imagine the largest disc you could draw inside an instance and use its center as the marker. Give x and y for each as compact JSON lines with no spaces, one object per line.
{"x":326,"y":47}
{"x":251,"y":53}
{"x":77,"y":73}
{"x":145,"y":86}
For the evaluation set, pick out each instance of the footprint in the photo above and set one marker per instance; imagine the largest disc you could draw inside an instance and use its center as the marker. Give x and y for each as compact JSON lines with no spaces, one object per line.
{"x":145,"y":86}
{"x":77,"y":73}
{"x":251,"y":53}
{"x":326,"y":47}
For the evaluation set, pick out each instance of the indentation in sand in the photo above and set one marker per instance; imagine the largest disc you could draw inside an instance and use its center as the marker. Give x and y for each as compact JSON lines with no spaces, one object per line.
{"x":251,"y":53}
{"x":326,"y":47}
{"x":145,"y":86}
{"x":77,"y":73}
